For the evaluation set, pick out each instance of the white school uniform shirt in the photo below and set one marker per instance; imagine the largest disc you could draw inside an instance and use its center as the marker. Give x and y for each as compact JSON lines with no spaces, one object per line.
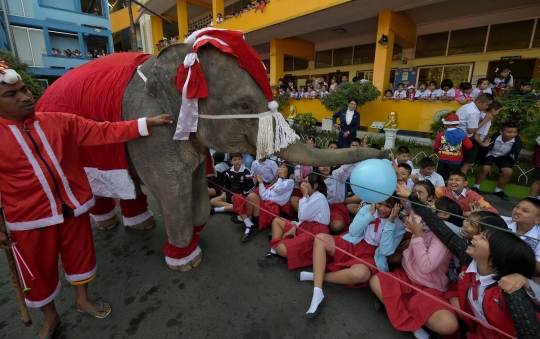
{"x":408,"y":163}
{"x":501,"y":148}
{"x":268,"y":169}
{"x":484,"y":130}
{"x":485,"y":281}
{"x":500,"y":83}
{"x":313,"y":208}
{"x":469,"y":117}
{"x":430,"y":94}
{"x":335,"y":189}
{"x":477,"y":91}
{"x":534,"y":233}
{"x":435,"y":178}
{"x":419,"y":94}
{"x":451,"y":93}
{"x":280,"y":192}
{"x":374,"y":238}
{"x":400,"y":95}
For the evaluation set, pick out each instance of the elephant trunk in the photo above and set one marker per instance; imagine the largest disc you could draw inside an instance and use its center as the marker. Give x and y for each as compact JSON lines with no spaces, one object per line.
{"x":300,"y":153}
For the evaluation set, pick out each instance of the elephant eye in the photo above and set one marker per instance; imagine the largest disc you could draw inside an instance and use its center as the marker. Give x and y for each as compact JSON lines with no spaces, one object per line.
{"x":244,"y":105}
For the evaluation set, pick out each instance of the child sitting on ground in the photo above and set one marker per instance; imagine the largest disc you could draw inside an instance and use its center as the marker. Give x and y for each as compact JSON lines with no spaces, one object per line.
{"x":403,"y":155}
{"x":504,"y":150}
{"x":238,"y":180}
{"x":290,"y":238}
{"x":374,"y":234}
{"x":426,"y":172}
{"x":449,"y":146}
{"x":267,"y":169}
{"x":261,"y":206}
{"x":457,"y":190}
{"x":479,"y":137}
{"x":220,"y":166}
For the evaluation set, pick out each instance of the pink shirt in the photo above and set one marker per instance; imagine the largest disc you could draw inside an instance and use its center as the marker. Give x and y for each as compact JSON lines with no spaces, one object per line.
{"x":426,"y":261}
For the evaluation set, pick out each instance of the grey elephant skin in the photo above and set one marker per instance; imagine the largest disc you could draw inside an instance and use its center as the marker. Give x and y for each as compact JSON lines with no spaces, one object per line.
{"x":174,"y":171}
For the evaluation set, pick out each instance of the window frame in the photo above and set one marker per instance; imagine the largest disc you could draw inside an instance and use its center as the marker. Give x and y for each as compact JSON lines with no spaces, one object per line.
{"x":28,"y":29}
{"x":471,"y":69}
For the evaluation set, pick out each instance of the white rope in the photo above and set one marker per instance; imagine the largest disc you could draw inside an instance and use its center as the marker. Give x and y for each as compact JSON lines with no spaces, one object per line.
{"x":141,"y":74}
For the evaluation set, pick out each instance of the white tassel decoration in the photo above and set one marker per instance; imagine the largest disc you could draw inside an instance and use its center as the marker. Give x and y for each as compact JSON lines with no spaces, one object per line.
{"x":269,"y":142}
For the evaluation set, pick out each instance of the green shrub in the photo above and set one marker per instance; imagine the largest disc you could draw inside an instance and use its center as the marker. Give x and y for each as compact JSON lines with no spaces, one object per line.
{"x":340,"y":98}
{"x":20,"y":67}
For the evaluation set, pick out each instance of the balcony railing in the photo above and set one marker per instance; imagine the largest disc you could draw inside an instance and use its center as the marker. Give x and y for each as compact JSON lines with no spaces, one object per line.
{"x":50,"y":61}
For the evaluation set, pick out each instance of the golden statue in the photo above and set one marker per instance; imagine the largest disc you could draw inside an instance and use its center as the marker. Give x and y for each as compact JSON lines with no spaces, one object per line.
{"x":292,"y":112}
{"x":392,"y":121}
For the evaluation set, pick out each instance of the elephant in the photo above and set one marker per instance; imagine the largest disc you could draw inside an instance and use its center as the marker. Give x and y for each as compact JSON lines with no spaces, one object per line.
{"x":175,"y":171}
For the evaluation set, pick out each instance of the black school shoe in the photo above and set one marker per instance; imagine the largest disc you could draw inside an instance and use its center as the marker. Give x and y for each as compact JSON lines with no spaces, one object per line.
{"x":253,"y":230}
{"x":502,"y":195}
{"x":234,"y":218}
{"x":310,"y":316}
{"x":270,"y":259}
{"x":475,"y":189}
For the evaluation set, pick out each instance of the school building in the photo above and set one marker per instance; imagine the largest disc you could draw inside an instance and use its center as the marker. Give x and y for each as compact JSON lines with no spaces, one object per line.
{"x":32,"y":28}
{"x":387,"y":42}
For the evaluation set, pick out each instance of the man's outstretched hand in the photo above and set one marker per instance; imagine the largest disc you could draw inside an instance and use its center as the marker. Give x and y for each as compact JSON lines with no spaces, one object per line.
{"x":163,"y":119}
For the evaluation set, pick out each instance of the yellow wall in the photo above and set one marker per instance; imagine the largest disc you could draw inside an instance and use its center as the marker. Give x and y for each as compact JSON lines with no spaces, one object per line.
{"x":275,"y":12}
{"x":480,"y":62}
{"x":412,"y":116}
{"x":120,"y":19}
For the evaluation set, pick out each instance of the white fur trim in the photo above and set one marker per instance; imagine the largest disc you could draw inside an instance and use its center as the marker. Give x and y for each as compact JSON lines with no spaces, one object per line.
{"x":137,"y":219}
{"x":193,"y":36}
{"x":143,"y":127}
{"x":273,"y":105}
{"x":10,"y":77}
{"x":183,"y":261}
{"x":112,"y":183}
{"x":38,"y":304}
{"x":30,"y":225}
{"x":85,"y":207}
{"x":103,"y":217}
{"x":82,"y":276}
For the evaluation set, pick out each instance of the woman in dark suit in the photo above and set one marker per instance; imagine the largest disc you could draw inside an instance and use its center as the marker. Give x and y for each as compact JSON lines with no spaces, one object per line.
{"x":349,"y":124}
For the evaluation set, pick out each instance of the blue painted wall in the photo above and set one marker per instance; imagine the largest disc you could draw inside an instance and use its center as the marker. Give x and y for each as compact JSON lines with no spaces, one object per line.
{"x":62,"y":4}
{"x":64,"y":42}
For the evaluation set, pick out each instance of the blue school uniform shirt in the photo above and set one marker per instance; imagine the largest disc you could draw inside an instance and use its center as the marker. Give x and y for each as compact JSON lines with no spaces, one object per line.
{"x":391,"y":236}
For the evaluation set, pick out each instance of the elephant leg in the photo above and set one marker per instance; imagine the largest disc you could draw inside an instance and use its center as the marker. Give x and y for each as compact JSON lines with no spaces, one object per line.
{"x":200,"y":203}
{"x":104,"y":214}
{"x":135,"y":213}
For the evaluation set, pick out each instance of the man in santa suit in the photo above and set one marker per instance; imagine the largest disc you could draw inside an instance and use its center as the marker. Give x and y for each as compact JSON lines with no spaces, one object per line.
{"x":46,"y":196}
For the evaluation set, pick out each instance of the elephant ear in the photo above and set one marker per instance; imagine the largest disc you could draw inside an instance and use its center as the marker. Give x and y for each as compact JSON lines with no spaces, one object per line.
{"x":160,"y":83}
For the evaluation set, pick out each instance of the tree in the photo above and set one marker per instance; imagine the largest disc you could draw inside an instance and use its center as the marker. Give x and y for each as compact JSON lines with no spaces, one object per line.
{"x":20,"y":67}
{"x":340,"y":98}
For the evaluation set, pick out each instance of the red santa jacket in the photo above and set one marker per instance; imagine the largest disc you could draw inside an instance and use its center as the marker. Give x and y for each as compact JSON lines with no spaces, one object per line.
{"x":40,"y":169}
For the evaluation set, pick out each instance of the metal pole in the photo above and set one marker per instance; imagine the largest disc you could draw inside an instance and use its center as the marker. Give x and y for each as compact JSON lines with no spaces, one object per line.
{"x":132,"y":32}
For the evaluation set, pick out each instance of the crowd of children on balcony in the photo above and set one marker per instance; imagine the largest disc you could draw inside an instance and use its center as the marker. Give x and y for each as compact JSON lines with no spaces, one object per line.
{"x":77,"y":54}
{"x":465,"y":93}
{"x":255,"y":6}
{"x":313,"y":88}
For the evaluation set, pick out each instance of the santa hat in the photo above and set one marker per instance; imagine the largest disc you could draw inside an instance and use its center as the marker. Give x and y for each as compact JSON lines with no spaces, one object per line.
{"x":410,"y":85}
{"x":191,"y":82}
{"x":451,"y":119}
{"x":7,"y":74}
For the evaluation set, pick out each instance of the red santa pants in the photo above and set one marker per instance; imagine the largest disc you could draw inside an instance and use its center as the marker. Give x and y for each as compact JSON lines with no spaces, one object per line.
{"x":133,"y":211}
{"x":40,"y":248}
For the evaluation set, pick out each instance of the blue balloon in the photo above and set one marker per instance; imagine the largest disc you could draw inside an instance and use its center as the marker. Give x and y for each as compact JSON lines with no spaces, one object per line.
{"x":374,"y":175}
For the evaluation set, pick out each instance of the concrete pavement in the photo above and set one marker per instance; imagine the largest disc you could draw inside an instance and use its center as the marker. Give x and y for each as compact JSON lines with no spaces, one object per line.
{"x":227,"y":296}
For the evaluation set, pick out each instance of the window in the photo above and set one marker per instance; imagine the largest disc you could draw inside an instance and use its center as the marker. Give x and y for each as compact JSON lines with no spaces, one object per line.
{"x":288,"y":64}
{"x":343,"y":56}
{"x":368,"y":75}
{"x":266,"y":63}
{"x":456,"y":73}
{"x":30,"y":45}
{"x":364,"y":54}
{"x":431,"y":45}
{"x":323,"y":59}
{"x":300,"y":64}
{"x":64,"y":41}
{"x":21,"y":7}
{"x":397,"y":52}
{"x":512,"y":35}
{"x":465,"y":41}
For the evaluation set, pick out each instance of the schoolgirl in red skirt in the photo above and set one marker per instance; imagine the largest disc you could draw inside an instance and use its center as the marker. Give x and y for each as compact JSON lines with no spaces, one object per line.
{"x":264,"y":204}
{"x":335,"y":183}
{"x":374,"y":234}
{"x":491,"y":255}
{"x":300,"y":173}
{"x":294,"y":240}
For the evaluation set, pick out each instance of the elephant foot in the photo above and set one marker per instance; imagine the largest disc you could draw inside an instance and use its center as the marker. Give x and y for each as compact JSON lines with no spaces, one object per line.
{"x":148,"y":224}
{"x":185,"y":264}
{"x":109,"y":224}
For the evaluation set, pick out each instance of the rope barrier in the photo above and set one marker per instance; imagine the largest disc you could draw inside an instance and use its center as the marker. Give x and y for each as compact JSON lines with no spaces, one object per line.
{"x":455,"y":309}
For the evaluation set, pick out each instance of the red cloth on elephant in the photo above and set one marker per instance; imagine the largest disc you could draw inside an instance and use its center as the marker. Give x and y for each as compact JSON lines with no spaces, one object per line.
{"x":95,"y":91}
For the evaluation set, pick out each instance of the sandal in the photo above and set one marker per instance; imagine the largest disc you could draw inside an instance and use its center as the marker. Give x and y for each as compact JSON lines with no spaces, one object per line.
{"x":97,"y":310}
{"x":50,"y":334}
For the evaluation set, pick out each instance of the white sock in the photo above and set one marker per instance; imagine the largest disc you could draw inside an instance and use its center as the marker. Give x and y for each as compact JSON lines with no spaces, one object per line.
{"x":421,"y":333}
{"x":306,"y":276}
{"x":219,"y":209}
{"x":248,"y":222}
{"x":318,"y":297}
{"x":476,"y":185}
{"x":239,"y":218}
{"x":497,"y":190}
{"x":273,"y":251}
